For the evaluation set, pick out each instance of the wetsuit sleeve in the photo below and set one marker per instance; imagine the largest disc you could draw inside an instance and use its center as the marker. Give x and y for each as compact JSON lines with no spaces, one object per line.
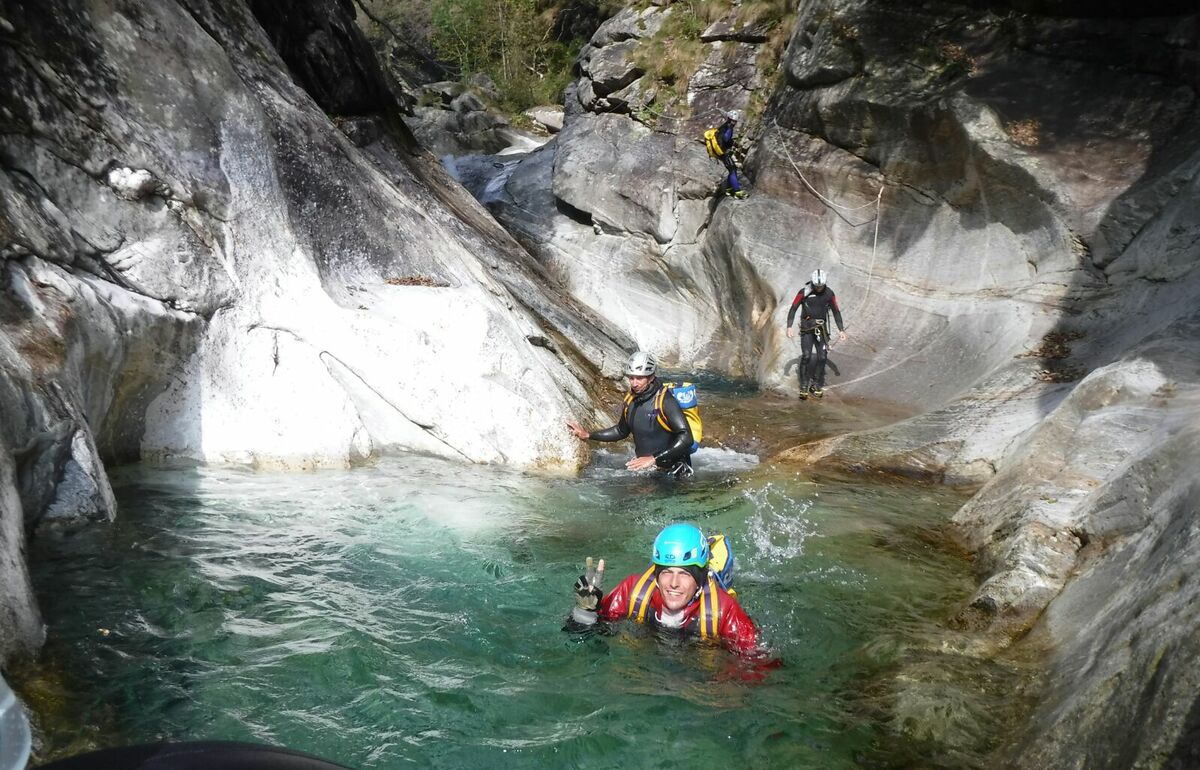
{"x":616,"y":604}
{"x":737,"y":629}
{"x":614,"y":433}
{"x":837,"y":312}
{"x":795,"y":304}
{"x":681,"y":433}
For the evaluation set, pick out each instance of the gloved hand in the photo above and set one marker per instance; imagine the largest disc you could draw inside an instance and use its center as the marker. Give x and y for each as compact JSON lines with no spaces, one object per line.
{"x":588,"y":591}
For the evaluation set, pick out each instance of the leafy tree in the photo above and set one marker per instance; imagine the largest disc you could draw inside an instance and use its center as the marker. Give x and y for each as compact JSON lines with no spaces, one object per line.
{"x":510,"y":41}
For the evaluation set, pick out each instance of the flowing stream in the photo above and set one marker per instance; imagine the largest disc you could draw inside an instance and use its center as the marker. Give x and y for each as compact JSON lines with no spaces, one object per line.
{"x":410,"y":614}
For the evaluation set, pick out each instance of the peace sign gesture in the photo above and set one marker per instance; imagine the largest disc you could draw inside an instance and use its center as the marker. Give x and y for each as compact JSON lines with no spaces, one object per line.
{"x":588,"y":591}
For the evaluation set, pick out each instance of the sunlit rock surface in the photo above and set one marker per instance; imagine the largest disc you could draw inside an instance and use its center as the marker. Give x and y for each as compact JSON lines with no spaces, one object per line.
{"x":1082,"y":433}
{"x":197,"y":265}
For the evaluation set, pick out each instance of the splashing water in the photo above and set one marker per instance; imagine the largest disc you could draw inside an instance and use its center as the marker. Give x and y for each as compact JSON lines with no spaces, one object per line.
{"x":778,"y":527}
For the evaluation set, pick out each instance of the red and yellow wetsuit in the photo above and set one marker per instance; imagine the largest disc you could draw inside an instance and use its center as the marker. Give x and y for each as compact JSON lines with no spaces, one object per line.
{"x":714,"y":614}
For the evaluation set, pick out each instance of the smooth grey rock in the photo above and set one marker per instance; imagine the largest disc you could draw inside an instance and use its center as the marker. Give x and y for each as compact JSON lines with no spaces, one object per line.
{"x":482,"y":83}
{"x":636,"y":96}
{"x":628,"y":23}
{"x":445,"y":90}
{"x":467,"y":102}
{"x":626,"y":176}
{"x":130,"y":184}
{"x":448,"y":132}
{"x":548,"y":117}
{"x":620,"y":271}
{"x":1094,"y":523}
{"x":253,"y":264}
{"x":327,"y":54}
{"x":822,"y":52}
{"x":611,"y":68}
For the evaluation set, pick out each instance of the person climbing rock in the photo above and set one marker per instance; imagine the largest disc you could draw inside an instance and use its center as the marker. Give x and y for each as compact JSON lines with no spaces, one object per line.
{"x":662,"y":436}
{"x":719,"y":141}
{"x":815,"y":300}
{"x":677,"y":591}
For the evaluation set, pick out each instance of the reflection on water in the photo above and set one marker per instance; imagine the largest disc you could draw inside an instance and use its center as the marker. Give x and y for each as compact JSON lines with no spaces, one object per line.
{"x":410,"y":615}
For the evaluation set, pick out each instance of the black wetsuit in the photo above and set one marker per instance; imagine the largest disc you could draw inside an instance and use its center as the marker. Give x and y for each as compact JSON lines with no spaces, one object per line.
{"x":814,"y":330}
{"x":671,"y":449}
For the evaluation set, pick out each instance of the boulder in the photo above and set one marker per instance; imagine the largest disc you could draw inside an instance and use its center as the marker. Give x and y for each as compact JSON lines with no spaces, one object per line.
{"x":611,"y":68}
{"x":614,"y":270}
{"x":548,"y":117}
{"x":452,"y":132}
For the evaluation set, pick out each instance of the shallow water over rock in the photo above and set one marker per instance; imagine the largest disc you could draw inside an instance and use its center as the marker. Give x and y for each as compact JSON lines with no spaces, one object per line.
{"x":410,"y":614}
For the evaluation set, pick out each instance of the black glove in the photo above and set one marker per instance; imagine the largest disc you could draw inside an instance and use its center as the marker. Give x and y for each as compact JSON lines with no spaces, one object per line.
{"x":588,"y":592}
{"x":587,"y":596}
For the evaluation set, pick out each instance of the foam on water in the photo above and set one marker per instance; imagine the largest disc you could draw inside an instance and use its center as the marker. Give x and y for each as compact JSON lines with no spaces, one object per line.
{"x":706,"y":461}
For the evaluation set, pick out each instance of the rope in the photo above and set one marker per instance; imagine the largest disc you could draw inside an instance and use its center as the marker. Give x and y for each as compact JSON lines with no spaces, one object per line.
{"x":878,"y":203}
{"x":874,"y":245}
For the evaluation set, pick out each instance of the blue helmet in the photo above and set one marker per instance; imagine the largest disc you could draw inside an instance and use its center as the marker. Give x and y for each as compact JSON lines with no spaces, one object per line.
{"x":681,"y":545}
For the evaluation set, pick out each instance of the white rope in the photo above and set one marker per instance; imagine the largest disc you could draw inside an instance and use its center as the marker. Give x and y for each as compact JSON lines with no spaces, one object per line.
{"x":812,"y":189}
{"x":874,"y":245}
{"x":878,"y":203}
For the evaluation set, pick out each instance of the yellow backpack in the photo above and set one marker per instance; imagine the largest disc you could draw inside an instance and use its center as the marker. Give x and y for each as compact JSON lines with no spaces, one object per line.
{"x":710,"y":141}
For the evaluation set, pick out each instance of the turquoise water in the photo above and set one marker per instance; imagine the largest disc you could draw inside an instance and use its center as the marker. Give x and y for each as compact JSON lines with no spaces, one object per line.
{"x":410,"y":615}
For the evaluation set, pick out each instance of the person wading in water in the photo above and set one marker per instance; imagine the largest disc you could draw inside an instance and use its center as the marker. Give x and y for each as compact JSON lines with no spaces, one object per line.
{"x":662,"y":437}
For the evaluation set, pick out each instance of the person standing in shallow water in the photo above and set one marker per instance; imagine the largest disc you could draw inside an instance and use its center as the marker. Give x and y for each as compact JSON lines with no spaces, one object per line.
{"x":815,"y":300}
{"x":662,"y":437}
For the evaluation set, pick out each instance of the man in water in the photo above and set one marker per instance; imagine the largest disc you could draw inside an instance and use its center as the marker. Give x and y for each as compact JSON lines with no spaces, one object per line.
{"x":815,"y":300}
{"x":661,"y":434}
{"x":677,"y":591}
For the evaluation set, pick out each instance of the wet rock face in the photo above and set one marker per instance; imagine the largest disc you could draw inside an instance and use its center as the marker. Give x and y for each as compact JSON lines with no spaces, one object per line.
{"x":1094,"y":525}
{"x":21,"y":629}
{"x":195,"y":263}
{"x":1080,"y":533}
{"x":193,"y":209}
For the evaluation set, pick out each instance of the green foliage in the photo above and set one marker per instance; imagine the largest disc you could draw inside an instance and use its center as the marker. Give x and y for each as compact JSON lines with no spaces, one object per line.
{"x":510,"y":41}
{"x":675,"y":52}
{"x":768,"y":13}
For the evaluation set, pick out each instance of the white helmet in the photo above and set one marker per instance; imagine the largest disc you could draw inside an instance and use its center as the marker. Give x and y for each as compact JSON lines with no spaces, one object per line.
{"x":641,"y":364}
{"x":733,"y":115}
{"x":819,"y":277}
